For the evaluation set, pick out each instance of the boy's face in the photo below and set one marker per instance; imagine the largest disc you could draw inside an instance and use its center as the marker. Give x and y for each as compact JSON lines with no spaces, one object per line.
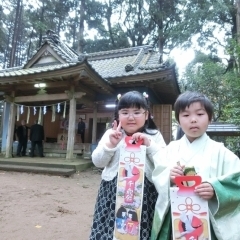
{"x":194,"y":121}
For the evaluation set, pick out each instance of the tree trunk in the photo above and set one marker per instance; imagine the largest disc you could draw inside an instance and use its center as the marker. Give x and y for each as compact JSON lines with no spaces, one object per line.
{"x":81,"y":27}
{"x":41,"y":20}
{"x":108,"y":16}
{"x":238,"y":31}
{"x":17,"y":24}
{"x":160,"y":32}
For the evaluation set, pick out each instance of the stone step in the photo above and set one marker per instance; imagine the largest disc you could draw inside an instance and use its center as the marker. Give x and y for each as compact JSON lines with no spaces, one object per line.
{"x":50,"y":150}
{"x":45,"y":165}
{"x":62,"y":153}
{"x":37,"y":169}
{"x":30,"y":163}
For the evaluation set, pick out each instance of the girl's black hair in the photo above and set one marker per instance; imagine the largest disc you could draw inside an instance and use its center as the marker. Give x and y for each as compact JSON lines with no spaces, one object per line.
{"x":120,"y":211}
{"x":135,"y":99}
{"x":134,"y":215}
{"x":187,"y":98}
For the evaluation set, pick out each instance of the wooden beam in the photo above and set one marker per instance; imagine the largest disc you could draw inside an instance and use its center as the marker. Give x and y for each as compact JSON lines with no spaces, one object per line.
{"x":49,"y":97}
{"x":49,"y":84}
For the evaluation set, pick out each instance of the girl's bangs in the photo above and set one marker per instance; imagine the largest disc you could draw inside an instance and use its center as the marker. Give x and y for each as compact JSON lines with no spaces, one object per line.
{"x":132,"y":102}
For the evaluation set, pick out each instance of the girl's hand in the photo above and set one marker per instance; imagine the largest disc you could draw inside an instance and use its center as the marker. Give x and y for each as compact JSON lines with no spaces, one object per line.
{"x":115,"y":136}
{"x":176,"y":171}
{"x":141,"y":136}
{"x":205,"y":190}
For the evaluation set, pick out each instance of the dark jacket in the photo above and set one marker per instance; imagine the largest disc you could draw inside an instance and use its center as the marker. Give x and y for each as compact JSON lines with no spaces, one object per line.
{"x":36,"y":133}
{"x":81,"y":127}
{"x":20,"y":133}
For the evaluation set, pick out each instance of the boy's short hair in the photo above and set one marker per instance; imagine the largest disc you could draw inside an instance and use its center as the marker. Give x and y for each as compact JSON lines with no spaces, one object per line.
{"x":187,"y":98}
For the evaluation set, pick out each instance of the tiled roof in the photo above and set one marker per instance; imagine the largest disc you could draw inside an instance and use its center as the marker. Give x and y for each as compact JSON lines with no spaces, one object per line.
{"x":108,"y":64}
{"x":126,"y":62}
{"x":65,"y":52}
{"x":19,"y":71}
{"x":223,"y":128}
{"x":122,"y":68}
{"x":217,"y":129}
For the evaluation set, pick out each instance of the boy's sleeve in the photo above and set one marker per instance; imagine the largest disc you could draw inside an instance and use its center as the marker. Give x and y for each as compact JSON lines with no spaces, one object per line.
{"x":224,"y":206}
{"x":229,"y":167}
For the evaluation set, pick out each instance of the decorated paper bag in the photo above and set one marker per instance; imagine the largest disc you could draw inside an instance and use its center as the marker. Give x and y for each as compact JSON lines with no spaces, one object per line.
{"x":129,"y":191}
{"x":190,"y":216}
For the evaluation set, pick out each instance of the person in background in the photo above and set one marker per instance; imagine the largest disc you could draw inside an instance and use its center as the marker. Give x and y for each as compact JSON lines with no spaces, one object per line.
{"x":132,"y":118}
{"x":37,"y":138}
{"x":218,"y":167}
{"x":22,"y":134}
{"x":81,"y":129}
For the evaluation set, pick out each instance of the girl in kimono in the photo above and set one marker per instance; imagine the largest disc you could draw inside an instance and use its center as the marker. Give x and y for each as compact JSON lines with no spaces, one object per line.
{"x":132,"y":118}
{"x":218,"y":167}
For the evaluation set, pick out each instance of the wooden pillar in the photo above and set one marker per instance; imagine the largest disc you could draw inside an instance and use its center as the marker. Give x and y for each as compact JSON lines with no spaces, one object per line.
{"x":10,"y":132}
{"x":71,"y":128}
{"x":94,"y":129}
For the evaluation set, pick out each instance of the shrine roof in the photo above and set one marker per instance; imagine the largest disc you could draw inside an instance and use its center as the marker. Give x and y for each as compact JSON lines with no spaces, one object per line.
{"x":125,"y":68}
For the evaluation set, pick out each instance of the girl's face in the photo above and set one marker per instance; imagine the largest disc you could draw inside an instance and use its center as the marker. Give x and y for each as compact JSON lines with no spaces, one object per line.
{"x":132,"y":119}
{"x":194,"y":121}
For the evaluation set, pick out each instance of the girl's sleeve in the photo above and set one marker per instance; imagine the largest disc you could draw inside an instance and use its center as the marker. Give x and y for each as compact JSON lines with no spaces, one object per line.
{"x":156,"y":147}
{"x":102,"y":155}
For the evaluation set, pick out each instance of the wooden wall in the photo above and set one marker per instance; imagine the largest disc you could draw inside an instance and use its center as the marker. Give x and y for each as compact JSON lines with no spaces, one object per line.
{"x":163,"y":119}
{"x":51,"y":129}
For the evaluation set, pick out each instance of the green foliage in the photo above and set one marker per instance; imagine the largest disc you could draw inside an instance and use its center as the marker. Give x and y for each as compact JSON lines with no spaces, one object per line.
{"x":104,"y":44}
{"x":117,"y":24}
{"x":206,"y":74}
{"x":232,"y":143}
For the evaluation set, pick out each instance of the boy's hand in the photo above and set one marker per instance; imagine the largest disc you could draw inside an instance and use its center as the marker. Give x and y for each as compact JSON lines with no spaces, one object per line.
{"x":176,"y":171}
{"x":115,"y":136}
{"x":141,"y":136}
{"x":205,"y":190}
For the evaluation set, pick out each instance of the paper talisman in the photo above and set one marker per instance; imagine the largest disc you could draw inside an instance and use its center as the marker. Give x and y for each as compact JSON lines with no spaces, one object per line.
{"x":130,"y":186}
{"x":190,"y":215}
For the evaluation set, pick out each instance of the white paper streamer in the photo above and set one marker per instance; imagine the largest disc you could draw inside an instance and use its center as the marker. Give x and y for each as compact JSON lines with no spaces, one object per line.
{"x":44,"y":110}
{"x":28,"y":114}
{"x":34,"y":110}
{"x":58,"y":107}
{"x":21,"y":109}
{"x":64,"y":110}
{"x":17,"y":112}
